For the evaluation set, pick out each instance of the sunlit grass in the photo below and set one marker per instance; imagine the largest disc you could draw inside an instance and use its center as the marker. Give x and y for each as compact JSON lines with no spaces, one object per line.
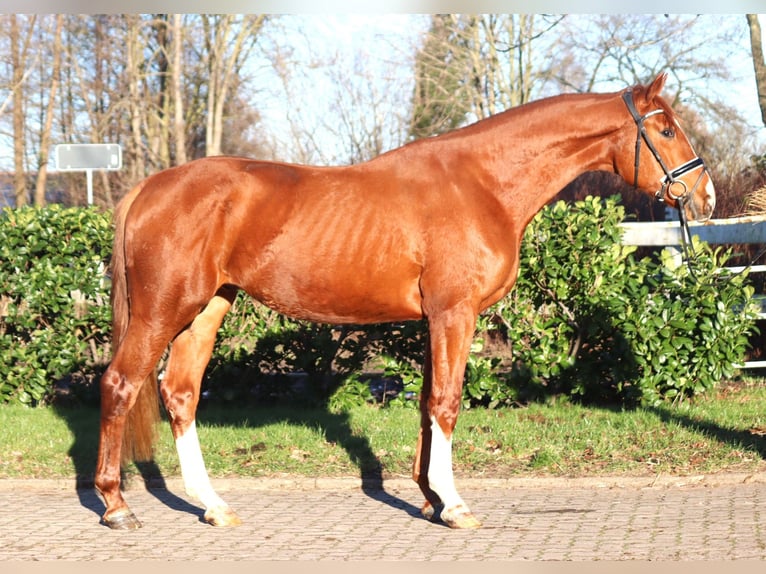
{"x":723,"y":432}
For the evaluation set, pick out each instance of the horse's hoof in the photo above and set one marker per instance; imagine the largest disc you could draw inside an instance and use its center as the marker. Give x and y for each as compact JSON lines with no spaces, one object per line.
{"x":428,"y":511}
{"x":456,"y":517}
{"x":222,"y":516}
{"x":124,"y":520}
{"x":460,"y":517}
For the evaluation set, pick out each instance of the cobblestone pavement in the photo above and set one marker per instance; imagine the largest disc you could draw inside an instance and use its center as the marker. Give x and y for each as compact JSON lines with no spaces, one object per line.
{"x":526,"y":520}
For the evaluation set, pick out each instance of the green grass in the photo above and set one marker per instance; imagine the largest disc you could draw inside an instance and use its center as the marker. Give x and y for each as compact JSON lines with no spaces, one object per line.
{"x":724,"y":432}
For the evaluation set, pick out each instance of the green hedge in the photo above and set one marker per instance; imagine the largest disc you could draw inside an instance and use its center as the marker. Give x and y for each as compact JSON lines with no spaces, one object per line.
{"x":586,"y":319}
{"x":54,"y":301}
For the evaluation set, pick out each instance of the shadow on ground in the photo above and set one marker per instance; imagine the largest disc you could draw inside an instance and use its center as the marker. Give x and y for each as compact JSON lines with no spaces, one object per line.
{"x":83,"y":422}
{"x":740,"y":438}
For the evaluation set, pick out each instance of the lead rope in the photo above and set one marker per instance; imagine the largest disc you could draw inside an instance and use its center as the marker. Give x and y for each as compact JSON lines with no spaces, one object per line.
{"x":687,"y":243}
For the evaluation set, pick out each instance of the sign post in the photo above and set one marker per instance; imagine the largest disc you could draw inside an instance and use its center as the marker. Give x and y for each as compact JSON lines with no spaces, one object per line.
{"x":88,"y":157}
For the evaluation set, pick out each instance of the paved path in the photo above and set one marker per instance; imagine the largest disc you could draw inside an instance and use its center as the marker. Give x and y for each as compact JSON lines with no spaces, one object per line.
{"x":675,"y":519}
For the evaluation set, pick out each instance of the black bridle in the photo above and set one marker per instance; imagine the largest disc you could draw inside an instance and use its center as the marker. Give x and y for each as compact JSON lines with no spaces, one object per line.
{"x":671,"y":178}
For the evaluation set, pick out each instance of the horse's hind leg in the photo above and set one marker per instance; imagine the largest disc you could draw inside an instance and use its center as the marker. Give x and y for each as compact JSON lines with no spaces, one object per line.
{"x":180,"y":390}
{"x":130,"y":370}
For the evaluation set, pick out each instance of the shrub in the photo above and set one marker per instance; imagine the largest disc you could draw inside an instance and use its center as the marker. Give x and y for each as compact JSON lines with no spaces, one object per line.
{"x":572,"y":263}
{"x":54,"y":302}
{"x":687,"y":326}
{"x":588,"y":319}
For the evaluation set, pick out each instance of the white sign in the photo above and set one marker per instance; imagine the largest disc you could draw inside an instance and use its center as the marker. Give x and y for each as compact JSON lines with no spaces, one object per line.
{"x":81,"y":157}
{"x":87,"y":157}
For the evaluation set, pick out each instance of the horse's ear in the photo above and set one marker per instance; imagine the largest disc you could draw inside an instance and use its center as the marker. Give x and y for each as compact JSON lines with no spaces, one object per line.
{"x":656,"y":86}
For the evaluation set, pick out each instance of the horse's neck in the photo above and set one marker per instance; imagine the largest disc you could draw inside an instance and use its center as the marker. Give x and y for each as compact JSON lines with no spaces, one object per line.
{"x":538,"y":149}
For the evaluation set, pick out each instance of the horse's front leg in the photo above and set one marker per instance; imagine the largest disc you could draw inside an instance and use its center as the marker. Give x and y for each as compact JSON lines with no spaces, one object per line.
{"x":180,"y":391}
{"x":450,"y":335}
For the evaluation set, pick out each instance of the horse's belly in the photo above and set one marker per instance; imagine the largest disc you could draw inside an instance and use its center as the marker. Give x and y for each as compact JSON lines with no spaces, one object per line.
{"x":339,"y":291}
{"x":334,"y":303}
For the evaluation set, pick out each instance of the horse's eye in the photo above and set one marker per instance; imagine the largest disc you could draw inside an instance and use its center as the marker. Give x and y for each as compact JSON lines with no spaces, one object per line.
{"x":668,"y":133}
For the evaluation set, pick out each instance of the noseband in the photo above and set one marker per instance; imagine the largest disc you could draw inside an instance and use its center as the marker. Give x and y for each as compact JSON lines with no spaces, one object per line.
{"x":671,"y":177}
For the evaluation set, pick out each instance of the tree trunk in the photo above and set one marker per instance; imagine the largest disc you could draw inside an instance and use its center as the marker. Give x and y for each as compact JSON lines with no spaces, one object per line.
{"x":45,"y":137}
{"x":160,"y":118}
{"x":19,"y":64}
{"x":179,"y":127}
{"x":214,"y":28}
{"x":758,"y":62}
{"x":135,"y":105}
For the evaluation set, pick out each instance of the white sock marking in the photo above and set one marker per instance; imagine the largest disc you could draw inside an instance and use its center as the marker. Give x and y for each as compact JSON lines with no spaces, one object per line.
{"x":440,"y":477}
{"x":193,"y":471}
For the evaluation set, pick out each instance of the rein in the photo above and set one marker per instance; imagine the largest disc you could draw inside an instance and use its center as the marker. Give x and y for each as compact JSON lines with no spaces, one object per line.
{"x":671,"y":177}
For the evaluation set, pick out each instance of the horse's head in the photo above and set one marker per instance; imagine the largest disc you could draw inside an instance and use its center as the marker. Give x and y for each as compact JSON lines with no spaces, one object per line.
{"x":660,"y":160}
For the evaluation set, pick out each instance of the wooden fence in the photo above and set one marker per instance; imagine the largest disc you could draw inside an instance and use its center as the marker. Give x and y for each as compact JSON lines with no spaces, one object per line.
{"x":737,"y":230}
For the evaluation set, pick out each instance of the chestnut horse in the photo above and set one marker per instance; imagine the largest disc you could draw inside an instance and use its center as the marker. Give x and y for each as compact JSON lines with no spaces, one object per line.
{"x":430,"y":230}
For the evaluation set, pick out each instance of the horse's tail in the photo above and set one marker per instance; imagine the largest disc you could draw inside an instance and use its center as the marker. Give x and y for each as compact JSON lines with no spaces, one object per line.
{"x":141,"y":425}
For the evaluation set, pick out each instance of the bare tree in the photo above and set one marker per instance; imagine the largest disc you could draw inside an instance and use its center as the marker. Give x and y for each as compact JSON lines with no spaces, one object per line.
{"x":364,"y":119}
{"x":156,"y":101}
{"x":228,"y":39}
{"x":158,"y":84}
{"x":158,"y":90}
{"x":472,"y":66}
{"x":364,"y":108}
{"x":506,"y":68}
{"x":135,"y":102}
{"x":609,"y":51}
